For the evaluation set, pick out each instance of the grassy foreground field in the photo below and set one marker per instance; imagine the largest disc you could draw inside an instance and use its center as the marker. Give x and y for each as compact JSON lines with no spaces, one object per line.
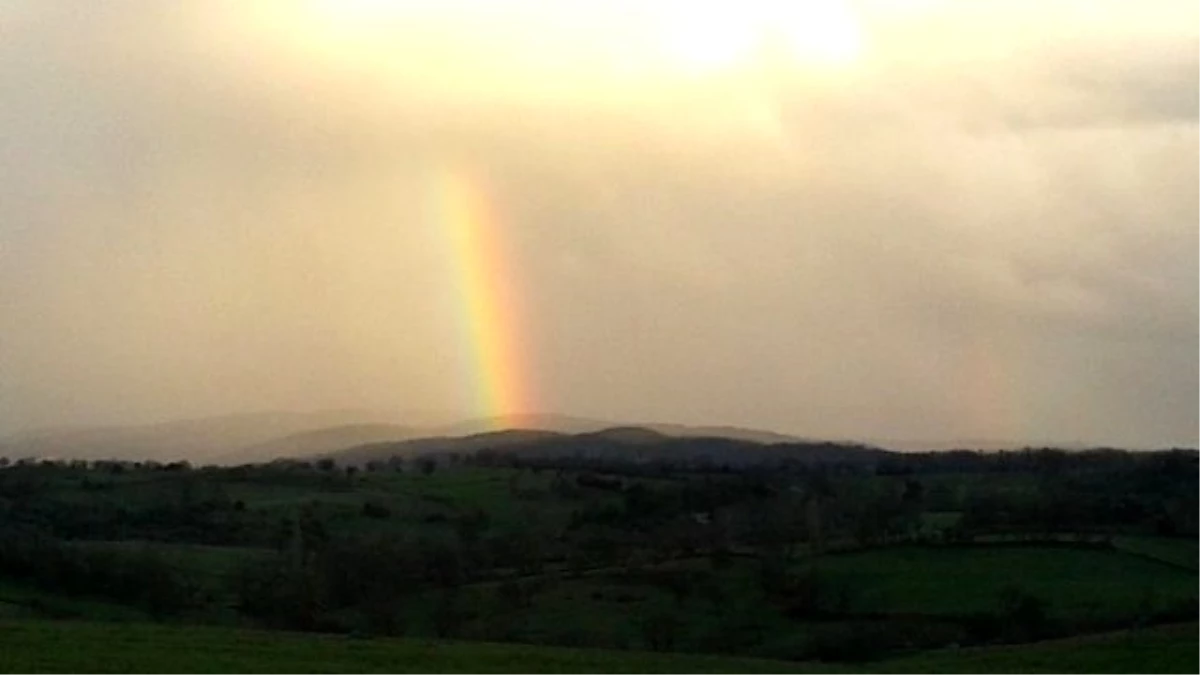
{"x":45,"y":646}
{"x":1074,"y":583}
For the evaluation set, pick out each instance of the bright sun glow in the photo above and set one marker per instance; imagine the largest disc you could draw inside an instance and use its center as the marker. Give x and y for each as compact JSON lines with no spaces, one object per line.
{"x":687,"y":37}
{"x":705,"y":36}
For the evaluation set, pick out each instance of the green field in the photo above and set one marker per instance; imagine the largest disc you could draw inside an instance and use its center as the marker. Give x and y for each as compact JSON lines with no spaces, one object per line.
{"x":22,"y":601}
{"x":1164,"y":651}
{"x":1182,"y":552}
{"x":951,"y":580}
{"x":571,"y":567}
{"x":38,"y":646}
{"x":418,"y":503}
{"x":884,"y":589}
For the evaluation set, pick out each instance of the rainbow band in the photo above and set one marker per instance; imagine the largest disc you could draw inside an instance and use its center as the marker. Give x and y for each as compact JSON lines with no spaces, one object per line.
{"x":485,"y":285}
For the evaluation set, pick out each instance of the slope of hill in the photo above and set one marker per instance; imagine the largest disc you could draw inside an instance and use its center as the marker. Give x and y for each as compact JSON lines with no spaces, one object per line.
{"x":629,"y":435}
{"x":736,"y":433}
{"x":632,"y":444}
{"x":564,"y":424}
{"x":700,"y":449}
{"x":441,"y":445}
{"x":568,"y":424}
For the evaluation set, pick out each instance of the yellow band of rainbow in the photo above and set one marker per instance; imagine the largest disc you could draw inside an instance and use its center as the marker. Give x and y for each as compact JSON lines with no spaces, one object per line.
{"x":491,"y":316}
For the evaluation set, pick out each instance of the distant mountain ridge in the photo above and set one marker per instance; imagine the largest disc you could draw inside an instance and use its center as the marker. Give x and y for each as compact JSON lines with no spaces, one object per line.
{"x":737,"y":433}
{"x":636,"y":444}
{"x":566,"y":424}
{"x":570,"y":424}
{"x":260,"y":437}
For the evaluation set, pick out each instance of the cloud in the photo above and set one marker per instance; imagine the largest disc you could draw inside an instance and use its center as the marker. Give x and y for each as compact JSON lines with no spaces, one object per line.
{"x":201,"y":210}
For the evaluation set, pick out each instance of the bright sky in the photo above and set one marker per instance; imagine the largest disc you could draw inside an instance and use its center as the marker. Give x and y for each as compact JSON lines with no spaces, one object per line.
{"x":879,"y":219}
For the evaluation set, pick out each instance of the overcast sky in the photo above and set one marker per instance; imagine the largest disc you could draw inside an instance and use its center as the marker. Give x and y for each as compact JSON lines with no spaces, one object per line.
{"x":879,"y":219}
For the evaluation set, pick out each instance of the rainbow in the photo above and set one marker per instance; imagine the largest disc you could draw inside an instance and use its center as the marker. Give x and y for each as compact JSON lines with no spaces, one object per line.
{"x":486,"y":290}
{"x":995,"y":410}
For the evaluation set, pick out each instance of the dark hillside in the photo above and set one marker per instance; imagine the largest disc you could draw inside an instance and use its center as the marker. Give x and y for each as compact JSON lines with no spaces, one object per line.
{"x":623,"y":444}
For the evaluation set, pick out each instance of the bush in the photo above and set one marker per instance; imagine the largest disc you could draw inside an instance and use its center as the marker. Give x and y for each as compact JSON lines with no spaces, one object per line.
{"x":1023,"y":616}
{"x":141,"y":577}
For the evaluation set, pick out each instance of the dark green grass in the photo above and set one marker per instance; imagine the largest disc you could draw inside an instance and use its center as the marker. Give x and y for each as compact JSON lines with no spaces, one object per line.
{"x":1076,"y":583}
{"x":210,"y":571}
{"x":511,"y":498}
{"x":1163,"y":651}
{"x":18,"y":600}
{"x":41,"y":646}
{"x":1181,"y":552}
{"x":604,"y":609}
{"x":214,"y":561}
{"x":45,"y":646}
{"x":591,"y":611}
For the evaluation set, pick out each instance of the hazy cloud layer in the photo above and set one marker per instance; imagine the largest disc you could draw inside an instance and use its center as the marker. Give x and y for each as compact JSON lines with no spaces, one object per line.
{"x":985,"y":227}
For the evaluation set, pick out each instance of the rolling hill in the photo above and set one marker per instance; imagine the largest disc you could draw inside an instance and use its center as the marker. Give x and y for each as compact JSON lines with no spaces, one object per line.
{"x":261,"y":437}
{"x":632,"y":444}
{"x":441,"y":445}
